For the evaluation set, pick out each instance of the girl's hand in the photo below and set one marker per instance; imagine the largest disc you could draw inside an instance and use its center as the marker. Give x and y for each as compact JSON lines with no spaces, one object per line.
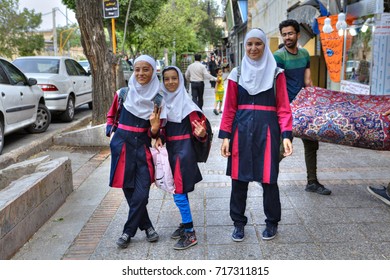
{"x":200,"y":129}
{"x":225,"y":148}
{"x":288,"y":148}
{"x":386,"y":113}
{"x":155,"y":120}
{"x":158,"y":143}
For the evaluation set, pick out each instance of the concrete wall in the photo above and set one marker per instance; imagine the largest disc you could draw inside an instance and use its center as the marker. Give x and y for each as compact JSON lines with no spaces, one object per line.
{"x":35,"y":190}
{"x":94,"y":136}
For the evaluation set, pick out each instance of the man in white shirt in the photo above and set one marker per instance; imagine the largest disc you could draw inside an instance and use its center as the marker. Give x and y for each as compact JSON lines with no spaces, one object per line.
{"x":196,"y":74}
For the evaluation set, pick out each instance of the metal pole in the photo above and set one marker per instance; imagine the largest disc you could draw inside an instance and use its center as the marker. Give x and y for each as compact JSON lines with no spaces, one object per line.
{"x":54,"y":32}
{"x":124,"y":34}
{"x":113,"y":36}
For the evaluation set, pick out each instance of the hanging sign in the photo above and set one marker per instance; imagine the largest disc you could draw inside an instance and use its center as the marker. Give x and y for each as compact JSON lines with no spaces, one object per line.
{"x":110,"y":8}
{"x":332,"y":46}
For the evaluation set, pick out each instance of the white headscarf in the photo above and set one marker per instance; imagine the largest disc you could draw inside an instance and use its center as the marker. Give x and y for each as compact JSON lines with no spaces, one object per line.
{"x":139,"y":100}
{"x":256,"y":75}
{"x":178,"y":104}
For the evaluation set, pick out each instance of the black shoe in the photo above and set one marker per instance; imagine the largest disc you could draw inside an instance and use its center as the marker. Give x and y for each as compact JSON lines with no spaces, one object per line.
{"x":178,"y":233}
{"x":215,"y":112}
{"x":186,"y":241}
{"x":151,"y":235}
{"x":238,"y":233}
{"x":123,"y":241}
{"x":270,"y":232}
{"x":315,"y":186}
{"x":380,"y":194}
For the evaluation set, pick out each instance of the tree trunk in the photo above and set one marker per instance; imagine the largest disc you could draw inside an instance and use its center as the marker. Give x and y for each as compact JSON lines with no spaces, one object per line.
{"x":89,"y":14}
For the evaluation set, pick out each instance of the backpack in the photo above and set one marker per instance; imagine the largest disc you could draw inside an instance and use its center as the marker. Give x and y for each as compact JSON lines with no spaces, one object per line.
{"x":162,"y":170}
{"x":202,"y":149}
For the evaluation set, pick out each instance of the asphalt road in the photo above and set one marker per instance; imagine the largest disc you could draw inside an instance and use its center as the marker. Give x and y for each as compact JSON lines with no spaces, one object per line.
{"x":21,"y":137}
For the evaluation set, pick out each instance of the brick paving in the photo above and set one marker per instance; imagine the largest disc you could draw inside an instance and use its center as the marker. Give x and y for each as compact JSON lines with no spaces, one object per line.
{"x":349,"y":224}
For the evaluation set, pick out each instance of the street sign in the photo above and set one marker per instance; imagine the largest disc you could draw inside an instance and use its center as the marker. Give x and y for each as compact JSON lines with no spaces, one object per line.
{"x":110,"y":8}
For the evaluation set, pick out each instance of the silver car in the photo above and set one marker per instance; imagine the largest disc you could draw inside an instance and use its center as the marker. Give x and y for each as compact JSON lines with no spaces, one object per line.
{"x":22,"y":104}
{"x":63,"y":80}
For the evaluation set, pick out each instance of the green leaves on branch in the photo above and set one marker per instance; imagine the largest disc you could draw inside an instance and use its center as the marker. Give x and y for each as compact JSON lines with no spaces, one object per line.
{"x":18,"y":30}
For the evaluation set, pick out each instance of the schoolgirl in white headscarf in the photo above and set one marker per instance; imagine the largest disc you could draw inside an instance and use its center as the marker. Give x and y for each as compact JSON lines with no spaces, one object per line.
{"x":256,"y":75}
{"x":139,"y":100}
{"x":178,"y":103}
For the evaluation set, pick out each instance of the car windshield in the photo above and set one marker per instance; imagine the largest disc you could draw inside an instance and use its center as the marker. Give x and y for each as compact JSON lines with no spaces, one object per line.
{"x":84,"y":63}
{"x":35,"y":65}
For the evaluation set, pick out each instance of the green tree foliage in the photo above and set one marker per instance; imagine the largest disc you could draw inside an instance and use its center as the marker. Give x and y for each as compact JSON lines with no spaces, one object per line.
{"x":18,"y":34}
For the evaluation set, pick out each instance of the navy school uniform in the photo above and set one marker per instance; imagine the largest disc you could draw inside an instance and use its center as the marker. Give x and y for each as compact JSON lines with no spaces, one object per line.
{"x":132,"y":166}
{"x":255,"y":148}
{"x":181,"y":152}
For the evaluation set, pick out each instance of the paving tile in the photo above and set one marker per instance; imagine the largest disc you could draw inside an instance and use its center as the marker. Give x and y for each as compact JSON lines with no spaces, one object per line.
{"x":234,"y":251}
{"x":300,"y":251}
{"x":351,"y":251}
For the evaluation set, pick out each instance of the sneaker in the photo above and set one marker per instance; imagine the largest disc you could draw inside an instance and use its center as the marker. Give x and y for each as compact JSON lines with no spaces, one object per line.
{"x":178,"y":233}
{"x":315,"y":186}
{"x":215,"y":112}
{"x":270,"y":232}
{"x":123,"y":241}
{"x":186,"y":241}
{"x":151,"y":235}
{"x":380,"y":193}
{"x":238,"y":233}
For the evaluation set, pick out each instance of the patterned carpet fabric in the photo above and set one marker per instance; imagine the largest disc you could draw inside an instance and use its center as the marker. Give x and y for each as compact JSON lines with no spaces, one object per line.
{"x":342,"y":118}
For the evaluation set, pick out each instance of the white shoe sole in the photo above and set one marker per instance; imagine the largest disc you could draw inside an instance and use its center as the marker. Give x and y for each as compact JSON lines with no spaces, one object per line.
{"x":386,"y":201}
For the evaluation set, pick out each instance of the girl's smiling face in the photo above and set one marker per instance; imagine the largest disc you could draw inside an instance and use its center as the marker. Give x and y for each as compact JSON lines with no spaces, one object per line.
{"x":254,"y":48}
{"x":171,"y":80}
{"x":143,"y":72}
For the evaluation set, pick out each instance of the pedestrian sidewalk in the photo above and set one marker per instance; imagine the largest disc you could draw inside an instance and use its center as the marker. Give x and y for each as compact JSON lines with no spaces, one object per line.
{"x":348,"y":224}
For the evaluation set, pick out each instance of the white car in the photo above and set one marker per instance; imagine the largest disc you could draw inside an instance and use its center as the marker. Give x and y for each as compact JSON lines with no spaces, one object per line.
{"x":63,"y":80}
{"x":22,"y":104}
{"x":127,"y":70}
{"x":85,"y":65}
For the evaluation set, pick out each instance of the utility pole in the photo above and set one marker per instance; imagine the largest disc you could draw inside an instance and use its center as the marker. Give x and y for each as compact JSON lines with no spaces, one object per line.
{"x":54,"y":32}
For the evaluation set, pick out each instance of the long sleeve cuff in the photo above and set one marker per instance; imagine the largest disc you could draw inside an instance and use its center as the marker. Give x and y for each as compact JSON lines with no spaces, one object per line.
{"x":224,"y":134}
{"x":287,"y":134}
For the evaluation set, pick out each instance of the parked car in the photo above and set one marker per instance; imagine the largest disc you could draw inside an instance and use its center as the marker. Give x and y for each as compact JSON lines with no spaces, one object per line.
{"x":160,"y":67}
{"x":64,"y":81}
{"x":85,"y":64}
{"x":127,"y":70}
{"x":22,"y":103}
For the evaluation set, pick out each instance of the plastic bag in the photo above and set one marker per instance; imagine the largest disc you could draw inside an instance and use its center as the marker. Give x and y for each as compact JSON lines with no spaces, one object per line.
{"x":163,"y":173}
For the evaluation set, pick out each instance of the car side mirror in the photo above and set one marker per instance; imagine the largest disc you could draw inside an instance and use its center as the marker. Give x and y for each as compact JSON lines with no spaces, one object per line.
{"x":32,"y":82}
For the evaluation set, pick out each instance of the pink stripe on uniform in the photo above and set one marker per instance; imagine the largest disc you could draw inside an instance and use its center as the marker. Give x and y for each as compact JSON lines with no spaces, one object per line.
{"x":267,"y":159}
{"x":257,"y":107}
{"x":132,"y":128}
{"x":178,"y":137}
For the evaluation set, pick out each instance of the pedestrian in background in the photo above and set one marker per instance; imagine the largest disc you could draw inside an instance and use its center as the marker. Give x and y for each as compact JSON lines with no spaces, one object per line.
{"x":185,"y":120}
{"x":219,"y":92}
{"x":196,"y":73}
{"x":255,"y":116}
{"x":131,"y":160}
{"x":212,"y":69}
{"x":296,"y":64}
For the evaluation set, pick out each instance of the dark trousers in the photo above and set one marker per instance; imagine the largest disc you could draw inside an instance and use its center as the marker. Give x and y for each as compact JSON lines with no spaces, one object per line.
{"x":137,"y":199}
{"x":311,"y":148}
{"x":197,"y":90}
{"x":271,"y":203}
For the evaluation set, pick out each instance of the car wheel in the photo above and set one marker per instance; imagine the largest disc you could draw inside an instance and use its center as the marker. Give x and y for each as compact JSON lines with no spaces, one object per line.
{"x":90,"y":106}
{"x":42,"y":122}
{"x":68,"y":115}
{"x":1,"y":136}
